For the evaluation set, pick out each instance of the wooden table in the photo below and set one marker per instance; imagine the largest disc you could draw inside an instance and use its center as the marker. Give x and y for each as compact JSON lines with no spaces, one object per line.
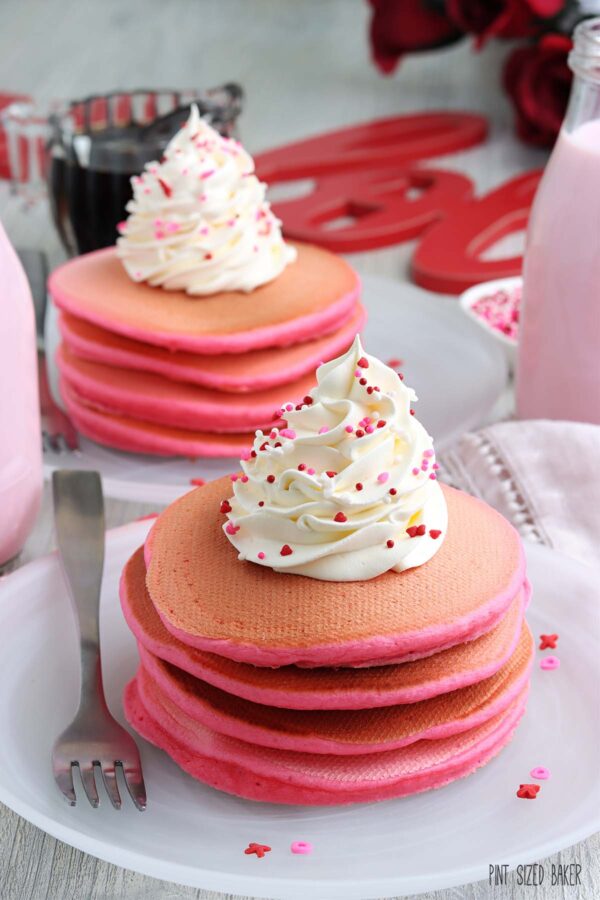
{"x":305,"y":68}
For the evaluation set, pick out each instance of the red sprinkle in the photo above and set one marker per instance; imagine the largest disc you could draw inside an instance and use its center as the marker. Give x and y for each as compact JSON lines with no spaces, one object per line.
{"x":412,"y":412}
{"x":197,"y":482}
{"x":389,"y":544}
{"x":394,"y":363}
{"x":434,"y":533}
{"x":416,"y":531}
{"x":393,"y":492}
{"x":400,"y":376}
{"x":363,"y":381}
{"x":340,"y":517}
{"x":548,"y":641}
{"x":528,"y":791}
{"x":358,"y":486}
{"x":225,"y":507}
{"x":286,"y":550}
{"x":359,"y":433}
{"x":331,"y":474}
{"x":259,"y":849}
{"x":363,"y":363}
{"x":264,"y":445}
{"x":261,"y":502}
{"x":301,"y":467}
{"x":208,"y":256}
{"x":270,"y":479}
{"x":308,"y":400}
{"x":381,"y":423}
{"x":167,"y":190}
{"x":369,"y":390}
{"x":421,"y":530}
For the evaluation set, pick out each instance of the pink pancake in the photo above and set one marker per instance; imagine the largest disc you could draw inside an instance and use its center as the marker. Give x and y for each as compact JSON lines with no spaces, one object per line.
{"x":341,"y":688}
{"x":283,"y":776}
{"x":136,"y":436}
{"x":151,"y":398}
{"x":313,"y":296}
{"x":210,"y":600}
{"x":256,"y":370}
{"x":343,"y":732}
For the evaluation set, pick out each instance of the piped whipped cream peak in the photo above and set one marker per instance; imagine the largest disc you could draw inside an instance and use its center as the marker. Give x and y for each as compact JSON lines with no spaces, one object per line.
{"x":347,"y":488}
{"x":199,"y":221}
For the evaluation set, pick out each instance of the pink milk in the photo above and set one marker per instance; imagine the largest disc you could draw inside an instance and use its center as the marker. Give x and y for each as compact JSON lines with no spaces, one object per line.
{"x":559,"y":353}
{"x":20,"y":440}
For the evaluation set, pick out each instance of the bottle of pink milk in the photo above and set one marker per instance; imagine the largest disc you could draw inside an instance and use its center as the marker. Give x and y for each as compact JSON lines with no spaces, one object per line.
{"x":558,"y":371}
{"x":20,"y":440}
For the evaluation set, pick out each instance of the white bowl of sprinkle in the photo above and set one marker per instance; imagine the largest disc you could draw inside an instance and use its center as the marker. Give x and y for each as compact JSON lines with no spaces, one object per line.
{"x":496,"y":306}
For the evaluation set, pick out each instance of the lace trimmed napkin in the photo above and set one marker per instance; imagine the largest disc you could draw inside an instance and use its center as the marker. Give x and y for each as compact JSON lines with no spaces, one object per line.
{"x":544,"y":476}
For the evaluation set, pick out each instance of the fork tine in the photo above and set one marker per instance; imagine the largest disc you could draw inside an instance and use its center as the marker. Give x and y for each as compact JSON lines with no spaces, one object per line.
{"x":135,"y":784}
{"x":64,"y":780}
{"x":109,"y":777}
{"x":89,"y":783}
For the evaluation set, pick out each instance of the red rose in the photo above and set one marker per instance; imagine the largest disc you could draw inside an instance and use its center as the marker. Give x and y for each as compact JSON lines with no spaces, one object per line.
{"x":538,"y":81}
{"x":501,"y":18}
{"x":403,"y":26}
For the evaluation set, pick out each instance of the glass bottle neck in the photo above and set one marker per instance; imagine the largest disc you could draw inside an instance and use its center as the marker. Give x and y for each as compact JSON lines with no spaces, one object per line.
{"x":584,"y":61}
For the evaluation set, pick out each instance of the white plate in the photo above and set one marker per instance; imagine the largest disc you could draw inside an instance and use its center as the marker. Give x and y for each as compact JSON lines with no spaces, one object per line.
{"x":457,"y":372}
{"x":194,"y":835}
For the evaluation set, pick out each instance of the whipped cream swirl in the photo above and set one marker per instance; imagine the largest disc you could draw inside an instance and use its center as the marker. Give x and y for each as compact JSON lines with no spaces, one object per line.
{"x":348,"y":488}
{"x":198,"y":220}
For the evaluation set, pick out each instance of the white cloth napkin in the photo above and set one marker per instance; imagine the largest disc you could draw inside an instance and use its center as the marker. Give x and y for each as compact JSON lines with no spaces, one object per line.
{"x":544,"y":476}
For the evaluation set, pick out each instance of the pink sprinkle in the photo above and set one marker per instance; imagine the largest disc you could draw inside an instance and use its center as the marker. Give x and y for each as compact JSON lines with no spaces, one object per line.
{"x":230,"y":223}
{"x":358,"y":374}
{"x":310,"y":471}
{"x":383,"y":477}
{"x":435,"y":466}
{"x":261,"y":555}
{"x":549,"y":663}
{"x":159,"y":235}
{"x":349,"y":429}
{"x":234,"y":478}
{"x":424,"y":466}
{"x":541,"y":773}
{"x":138,"y":274}
{"x":289,"y":406}
{"x":433,"y":476}
{"x":172,"y":227}
{"x":428,"y":453}
{"x":323,"y":430}
{"x":273,"y":434}
{"x":244,"y":479}
{"x":416,"y":471}
{"x":121,"y":226}
{"x":147,"y":190}
{"x":207,"y":174}
{"x":394,"y":363}
{"x":288,"y":433}
{"x":230,"y":528}
{"x":369,"y":429}
{"x":245,"y":454}
{"x":204,"y":230}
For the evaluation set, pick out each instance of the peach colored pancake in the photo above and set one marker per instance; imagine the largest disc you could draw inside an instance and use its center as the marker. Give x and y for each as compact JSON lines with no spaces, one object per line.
{"x":210,"y":600}
{"x":136,"y":436}
{"x":314,"y":295}
{"x":152,"y":398}
{"x":344,"y":732}
{"x":320,"y":688}
{"x":283,"y":776}
{"x":256,"y":370}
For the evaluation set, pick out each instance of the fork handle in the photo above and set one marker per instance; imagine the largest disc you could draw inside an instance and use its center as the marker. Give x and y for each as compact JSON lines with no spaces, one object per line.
{"x":79,"y":523}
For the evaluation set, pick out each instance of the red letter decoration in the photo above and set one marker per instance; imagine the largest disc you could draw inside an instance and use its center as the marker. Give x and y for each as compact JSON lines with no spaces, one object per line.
{"x":448,"y":257}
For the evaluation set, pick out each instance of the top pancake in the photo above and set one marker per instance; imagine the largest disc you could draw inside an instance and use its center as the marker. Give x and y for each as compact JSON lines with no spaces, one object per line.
{"x":209,"y":599}
{"x":313,"y":295}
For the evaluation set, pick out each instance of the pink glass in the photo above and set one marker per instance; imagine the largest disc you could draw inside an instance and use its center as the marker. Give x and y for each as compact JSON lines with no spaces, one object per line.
{"x":558,"y":371}
{"x":20,"y":438}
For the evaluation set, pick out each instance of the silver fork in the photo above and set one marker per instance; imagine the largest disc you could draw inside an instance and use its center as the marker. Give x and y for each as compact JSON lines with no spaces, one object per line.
{"x":58,"y":432}
{"x":94,"y":739}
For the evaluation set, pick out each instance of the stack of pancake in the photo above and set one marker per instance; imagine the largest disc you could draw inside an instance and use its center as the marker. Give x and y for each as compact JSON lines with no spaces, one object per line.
{"x":286,"y":689}
{"x":155,"y":371}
